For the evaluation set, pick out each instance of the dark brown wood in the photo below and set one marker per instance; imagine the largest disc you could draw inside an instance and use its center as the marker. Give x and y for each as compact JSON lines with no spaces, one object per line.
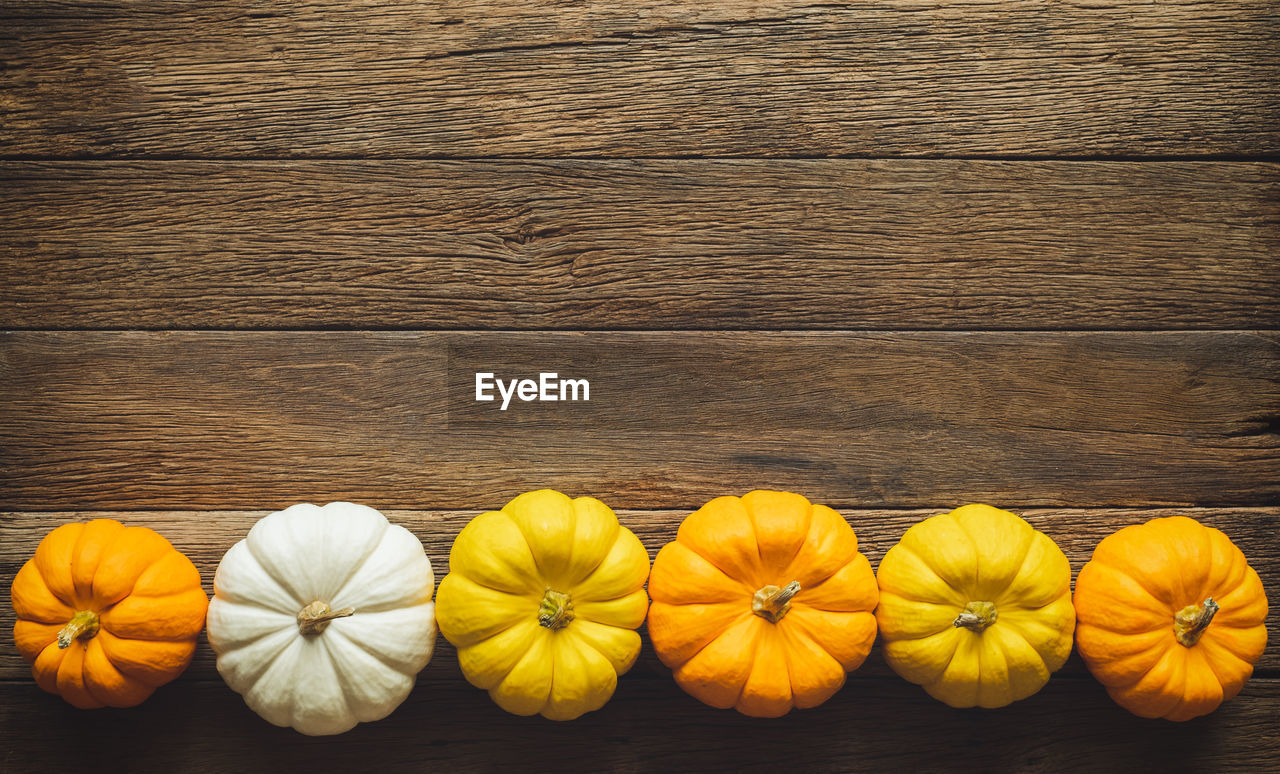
{"x":234,"y":420}
{"x":645,"y":244}
{"x":778,"y":78}
{"x":373,"y":164}
{"x":206,"y":535}
{"x":650,"y":725}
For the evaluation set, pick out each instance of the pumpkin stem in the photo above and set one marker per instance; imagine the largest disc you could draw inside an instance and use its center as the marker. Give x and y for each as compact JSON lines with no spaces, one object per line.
{"x":1191,"y":621}
{"x":977,"y":616}
{"x":83,"y":625}
{"x":556,"y":610}
{"x":771,"y":602}
{"x":315,"y":617}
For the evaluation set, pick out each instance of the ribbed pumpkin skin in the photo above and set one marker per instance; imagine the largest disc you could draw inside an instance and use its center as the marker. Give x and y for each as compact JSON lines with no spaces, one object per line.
{"x":498,"y":604}
{"x":305,"y":561}
{"x":146,"y":595}
{"x":703,"y":584}
{"x":1126,"y":601}
{"x":991,"y":559}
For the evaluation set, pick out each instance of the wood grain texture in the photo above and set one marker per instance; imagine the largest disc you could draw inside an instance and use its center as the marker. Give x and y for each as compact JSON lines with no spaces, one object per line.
{"x":640,"y":244}
{"x":206,"y":535}
{"x":650,"y":725}
{"x":656,"y":77}
{"x":259,"y":419}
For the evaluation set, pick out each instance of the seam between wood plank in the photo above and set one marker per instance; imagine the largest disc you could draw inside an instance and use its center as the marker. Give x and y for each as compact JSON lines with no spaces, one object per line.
{"x":1223,"y":158}
{"x":792,"y":329}
{"x":653,"y":331}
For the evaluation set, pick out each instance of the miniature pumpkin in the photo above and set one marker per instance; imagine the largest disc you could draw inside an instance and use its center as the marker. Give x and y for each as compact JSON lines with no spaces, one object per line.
{"x":107,"y":613}
{"x":975,"y":605}
{"x":762,"y":603}
{"x":322,"y":617}
{"x":1171,"y":618}
{"x":542,"y":601}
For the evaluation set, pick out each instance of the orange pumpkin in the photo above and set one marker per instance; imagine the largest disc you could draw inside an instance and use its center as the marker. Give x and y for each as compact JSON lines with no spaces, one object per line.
{"x":107,"y":613}
{"x":762,"y":603}
{"x":1170,"y":618}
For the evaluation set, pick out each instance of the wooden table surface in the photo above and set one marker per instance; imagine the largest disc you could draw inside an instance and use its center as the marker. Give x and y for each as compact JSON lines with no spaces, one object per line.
{"x":895,"y":255}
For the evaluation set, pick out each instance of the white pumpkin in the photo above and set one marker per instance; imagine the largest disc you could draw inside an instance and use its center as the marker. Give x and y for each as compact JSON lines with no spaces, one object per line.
{"x":322,"y":617}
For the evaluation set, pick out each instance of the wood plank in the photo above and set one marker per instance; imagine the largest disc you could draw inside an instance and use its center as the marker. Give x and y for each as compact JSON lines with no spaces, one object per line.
{"x":871,"y":725}
{"x":206,"y":535}
{"x":137,"y":420}
{"x":657,"y":77}
{"x":644,"y":244}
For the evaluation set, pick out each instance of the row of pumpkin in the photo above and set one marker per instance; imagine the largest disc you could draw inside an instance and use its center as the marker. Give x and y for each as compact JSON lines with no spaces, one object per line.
{"x":322,"y":617}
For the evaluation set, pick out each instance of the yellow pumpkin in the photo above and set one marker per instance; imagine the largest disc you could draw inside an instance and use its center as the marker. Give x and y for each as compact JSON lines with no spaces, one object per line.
{"x":107,"y":613}
{"x":975,"y":605}
{"x":1171,"y":618}
{"x":542,"y":601}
